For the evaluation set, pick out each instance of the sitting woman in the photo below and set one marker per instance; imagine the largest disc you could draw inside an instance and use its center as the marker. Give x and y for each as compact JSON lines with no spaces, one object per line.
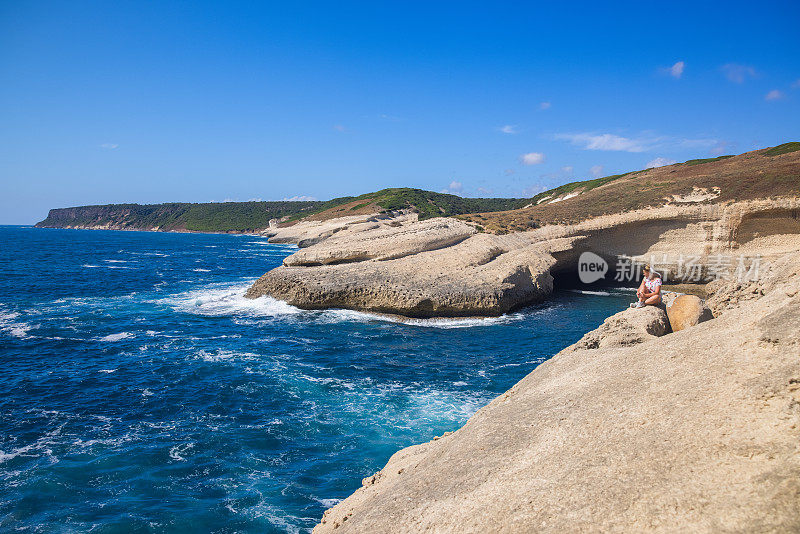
{"x":649,"y":291}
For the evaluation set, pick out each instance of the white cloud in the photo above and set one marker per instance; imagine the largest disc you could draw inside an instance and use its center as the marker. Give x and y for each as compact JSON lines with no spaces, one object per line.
{"x":596,"y":171}
{"x":339,"y":128}
{"x":508,"y":129}
{"x":738,"y":73}
{"x":545,"y":105}
{"x":775,"y":94}
{"x":455,"y":188}
{"x":660,"y":162}
{"x":606,"y":142}
{"x":299,"y":198}
{"x":485,"y":192}
{"x":532,"y":158}
{"x":390,"y":118}
{"x":676,"y":70}
{"x":642,"y":143}
{"x":567,"y":169}
{"x":720,"y":148}
{"x":109,"y":146}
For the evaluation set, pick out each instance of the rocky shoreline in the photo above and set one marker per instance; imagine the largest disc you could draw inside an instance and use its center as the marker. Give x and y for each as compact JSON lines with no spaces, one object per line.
{"x":630,"y":429}
{"x":662,"y":419}
{"x":447,"y":268}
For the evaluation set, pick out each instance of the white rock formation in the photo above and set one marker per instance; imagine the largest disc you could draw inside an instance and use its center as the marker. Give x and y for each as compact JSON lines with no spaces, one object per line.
{"x":696,"y":431}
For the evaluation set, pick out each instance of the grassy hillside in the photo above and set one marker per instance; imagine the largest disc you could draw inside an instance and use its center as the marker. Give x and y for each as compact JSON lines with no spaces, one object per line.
{"x":426,"y":203}
{"x":252,"y":216}
{"x":208,"y":217}
{"x":771,"y":172}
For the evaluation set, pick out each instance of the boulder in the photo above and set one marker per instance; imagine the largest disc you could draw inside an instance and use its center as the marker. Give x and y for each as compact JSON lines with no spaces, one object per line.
{"x":628,"y":327}
{"x":686,"y":311}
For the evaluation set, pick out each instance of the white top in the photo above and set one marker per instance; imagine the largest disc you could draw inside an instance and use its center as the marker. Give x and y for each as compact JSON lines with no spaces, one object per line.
{"x":652,"y":284}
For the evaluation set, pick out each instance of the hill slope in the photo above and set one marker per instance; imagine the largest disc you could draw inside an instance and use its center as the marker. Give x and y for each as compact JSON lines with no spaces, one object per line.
{"x":772,"y":172}
{"x":253,"y":216}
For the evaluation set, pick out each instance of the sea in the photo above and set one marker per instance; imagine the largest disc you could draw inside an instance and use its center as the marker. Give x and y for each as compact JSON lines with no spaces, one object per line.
{"x":141,"y":392}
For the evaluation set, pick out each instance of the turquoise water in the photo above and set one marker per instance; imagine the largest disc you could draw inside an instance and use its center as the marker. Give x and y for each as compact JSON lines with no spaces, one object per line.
{"x":143,"y":393}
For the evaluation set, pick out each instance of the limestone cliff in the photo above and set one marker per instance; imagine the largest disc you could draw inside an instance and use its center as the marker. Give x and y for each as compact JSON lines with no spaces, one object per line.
{"x":443,"y":267}
{"x":694,"y":431}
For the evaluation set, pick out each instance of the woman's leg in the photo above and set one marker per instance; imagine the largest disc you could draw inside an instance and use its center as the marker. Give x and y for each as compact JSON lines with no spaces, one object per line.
{"x":652,"y":301}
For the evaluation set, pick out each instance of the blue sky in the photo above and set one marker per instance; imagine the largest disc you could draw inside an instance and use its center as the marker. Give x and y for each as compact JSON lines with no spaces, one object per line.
{"x":104,"y":102}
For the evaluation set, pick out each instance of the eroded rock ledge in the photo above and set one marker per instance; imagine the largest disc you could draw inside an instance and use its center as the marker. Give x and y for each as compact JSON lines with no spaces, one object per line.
{"x":444,"y":267}
{"x":625,"y":431}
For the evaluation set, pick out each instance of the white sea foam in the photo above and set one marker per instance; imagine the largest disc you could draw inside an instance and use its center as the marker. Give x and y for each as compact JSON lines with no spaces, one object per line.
{"x":199,"y":270}
{"x":116,"y":261}
{"x":116,"y":337}
{"x":327,"y":503}
{"x":177,"y":451}
{"x":90,"y":266}
{"x":223,"y":355}
{"x":338,"y":315}
{"x":42,"y":446}
{"x":588,"y":292}
{"x":107,"y":371}
{"x":13,"y":327}
{"x":228,"y":300}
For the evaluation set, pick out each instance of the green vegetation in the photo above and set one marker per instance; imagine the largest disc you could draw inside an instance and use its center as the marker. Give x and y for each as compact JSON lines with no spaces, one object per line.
{"x":706,"y":160}
{"x":426,"y":203}
{"x":251,"y":216}
{"x":785,"y":148}
{"x":429,"y":204}
{"x":207,"y":217}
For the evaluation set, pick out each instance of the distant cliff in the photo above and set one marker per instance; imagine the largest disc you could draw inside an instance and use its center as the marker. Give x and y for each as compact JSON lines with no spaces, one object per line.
{"x":252,"y":216}
{"x":209,"y":217}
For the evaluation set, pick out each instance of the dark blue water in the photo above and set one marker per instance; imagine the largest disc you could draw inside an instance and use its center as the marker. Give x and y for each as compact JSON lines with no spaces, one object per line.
{"x":142,"y":393}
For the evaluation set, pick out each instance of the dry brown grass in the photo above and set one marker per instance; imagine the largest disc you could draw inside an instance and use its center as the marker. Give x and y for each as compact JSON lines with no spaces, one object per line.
{"x":746,"y":176}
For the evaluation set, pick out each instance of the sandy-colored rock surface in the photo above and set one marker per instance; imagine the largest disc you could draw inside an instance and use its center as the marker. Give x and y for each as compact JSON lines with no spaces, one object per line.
{"x":694,"y":431}
{"x":628,"y":327}
{"x":384,"y":242}
{"x":482,"y":275}
{"x":442,"y":267}
{"x":310,"y":232}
